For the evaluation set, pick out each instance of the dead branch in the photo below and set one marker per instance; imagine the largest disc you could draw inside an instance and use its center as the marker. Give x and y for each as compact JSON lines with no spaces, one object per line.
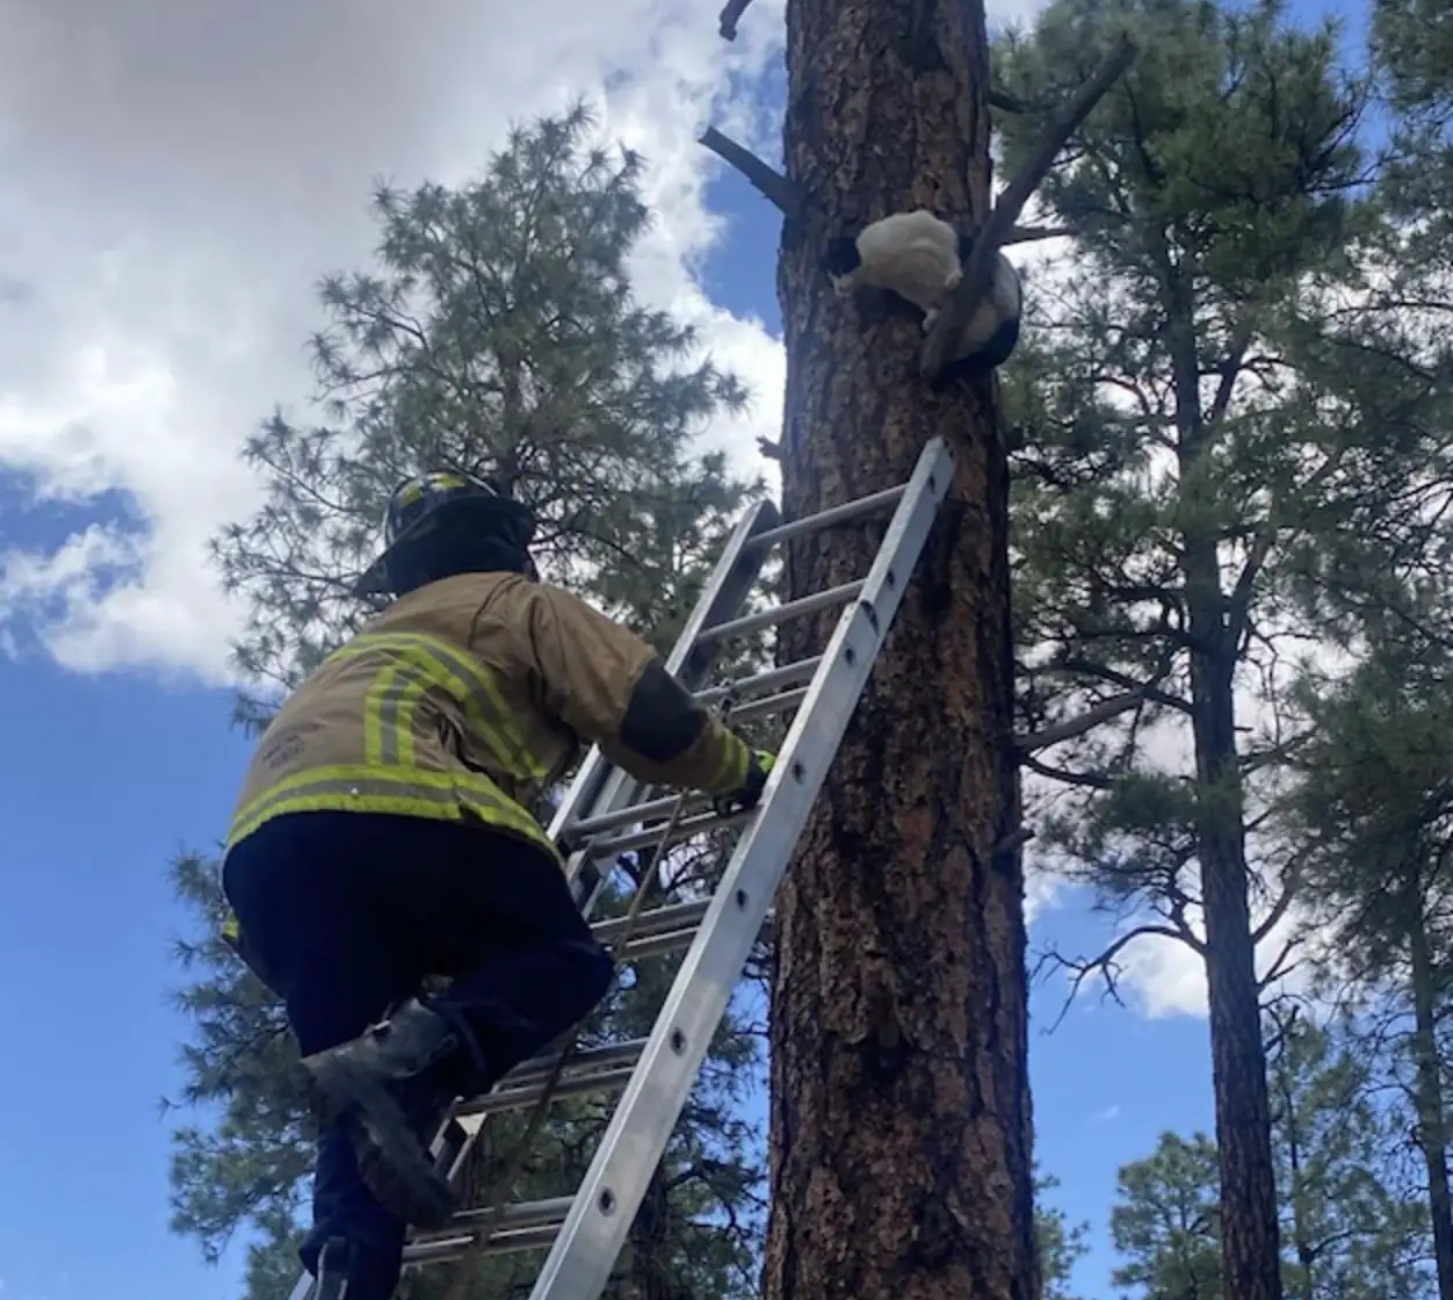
{"x":771,"y":184}
{"x":1279,"y":908}
{"x":1029,"y":234}
{"x":1079,"y":667}
{"x":1105,"y":966}
{"x":1085,"y":780}
{"x":1280,"y":968}
{"x":1002,"y":99}
{"x":769,"y":449}
{"x":1013,"y":842}
{"x":941,"y":346}
{"x":731,"y":15}
{"x":1087,"y":721}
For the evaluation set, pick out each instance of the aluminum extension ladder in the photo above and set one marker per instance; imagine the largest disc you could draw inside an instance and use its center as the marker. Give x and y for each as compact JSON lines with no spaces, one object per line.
{"x":585,"y":1233}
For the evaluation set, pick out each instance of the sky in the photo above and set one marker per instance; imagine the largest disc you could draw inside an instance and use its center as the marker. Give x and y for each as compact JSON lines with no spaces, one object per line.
{"x":177,"y":176}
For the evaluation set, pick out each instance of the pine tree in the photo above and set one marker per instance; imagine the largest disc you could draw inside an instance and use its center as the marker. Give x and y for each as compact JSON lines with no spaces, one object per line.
{"x":497,"y":335}
{"x":900,"y":1099}
{"x":1349,"y":1232}
{"x":1061,"y":1244}
{"x":1373,"y":811}
{"x":1172,"y":464}
{"x":1166,"y":1221}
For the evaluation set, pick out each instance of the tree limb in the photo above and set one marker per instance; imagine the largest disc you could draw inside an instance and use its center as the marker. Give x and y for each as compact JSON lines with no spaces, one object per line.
{"x":1087,"y":721}
{"x":731,"y":15}
{"x":1085,"y":780}
{"x":941,"y":346}
{"x":1029,"y":234}
{"x":1002,"y":99}
{"x":1104,"y":965}
{"x":768,"y":182}
{"x":1279,"y":908}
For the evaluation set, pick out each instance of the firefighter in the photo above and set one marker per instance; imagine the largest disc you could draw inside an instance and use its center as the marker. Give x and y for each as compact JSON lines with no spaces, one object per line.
{"x":383,"y":836}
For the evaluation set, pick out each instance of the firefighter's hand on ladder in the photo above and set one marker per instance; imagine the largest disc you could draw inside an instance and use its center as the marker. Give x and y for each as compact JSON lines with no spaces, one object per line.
{"x":745,"y":798}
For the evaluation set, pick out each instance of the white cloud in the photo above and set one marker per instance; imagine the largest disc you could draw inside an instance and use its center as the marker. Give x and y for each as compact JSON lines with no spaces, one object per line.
{"x":178,"y":176}
{"x":1162,"y":977}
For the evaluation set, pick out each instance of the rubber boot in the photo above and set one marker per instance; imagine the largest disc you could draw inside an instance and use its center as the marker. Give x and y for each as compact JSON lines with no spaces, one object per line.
{"x":392,"y":1078}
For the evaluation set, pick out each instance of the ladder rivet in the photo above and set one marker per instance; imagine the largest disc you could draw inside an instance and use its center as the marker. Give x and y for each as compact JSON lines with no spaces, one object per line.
{"x":850,"y":655}
{"x":678,"y":1041}
{"x":607,"y":1201}
{"x":892,"y":578}
{"x":799,"y":773}
{"x":741,"y":898}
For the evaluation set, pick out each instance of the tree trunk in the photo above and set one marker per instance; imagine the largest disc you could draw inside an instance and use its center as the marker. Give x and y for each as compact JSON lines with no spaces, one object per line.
{"x":1250,"y":1236}
{"x":1432,"y":1117}
{"x":649,"y":1277}
{"x":1250,"y":1243}
{"x":900,"y":1101}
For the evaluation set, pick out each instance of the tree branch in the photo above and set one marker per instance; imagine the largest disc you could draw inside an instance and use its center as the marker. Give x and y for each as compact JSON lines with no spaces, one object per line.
{"x":1002,"y":99}
{"x":1104,"y":965}
{"x":1087,"y":721}
{"x":941,"y":346}
{"x":771,"y":184}
{"x":731,"y":15}
{"x":1029,"y":234}
{"x":1085,"y":780}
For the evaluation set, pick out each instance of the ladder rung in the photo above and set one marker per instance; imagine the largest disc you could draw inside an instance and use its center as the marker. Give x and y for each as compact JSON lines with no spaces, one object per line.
{"x":659,"y":920}
{"x":661,"y":809}
{"x":591,"y":1058}
{"x":765,"y":708}
{"x":667,"y":941}
{"x":781,"y":613}
{"x":685,"y":829}
{"x":568,"y":1085}
{"x":548,"y":1213}
{"x":826,"y":518}
{"x":421,"y":1254}
{"x":787,"y":675}
{"x":654,"y":809}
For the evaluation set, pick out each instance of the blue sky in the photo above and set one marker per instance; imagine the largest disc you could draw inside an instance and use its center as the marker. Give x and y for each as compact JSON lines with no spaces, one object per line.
{"x":119,"y":769}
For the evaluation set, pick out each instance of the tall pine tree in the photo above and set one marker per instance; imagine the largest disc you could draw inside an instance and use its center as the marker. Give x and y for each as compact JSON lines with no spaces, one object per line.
{"x":1170,"y":464}
{"x":497,"y":335}
{"x":1349,"y":1230}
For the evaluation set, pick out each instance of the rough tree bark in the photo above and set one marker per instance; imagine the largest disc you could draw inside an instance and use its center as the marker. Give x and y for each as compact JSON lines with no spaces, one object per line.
{"x":900,"y":1115}
{"x":1250,"y":1231}
{"x":1432,"y":1115}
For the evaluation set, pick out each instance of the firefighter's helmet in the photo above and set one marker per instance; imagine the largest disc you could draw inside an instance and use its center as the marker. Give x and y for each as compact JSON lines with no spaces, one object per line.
{"x":454,"y":511}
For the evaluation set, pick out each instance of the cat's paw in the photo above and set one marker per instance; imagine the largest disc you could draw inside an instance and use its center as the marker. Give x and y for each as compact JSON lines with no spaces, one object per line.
{"x":954,"y":279}
{"x":928,"y":318}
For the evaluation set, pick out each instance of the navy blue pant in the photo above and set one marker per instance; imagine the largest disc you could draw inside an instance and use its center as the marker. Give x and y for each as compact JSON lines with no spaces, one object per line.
{"x":347,"y":913}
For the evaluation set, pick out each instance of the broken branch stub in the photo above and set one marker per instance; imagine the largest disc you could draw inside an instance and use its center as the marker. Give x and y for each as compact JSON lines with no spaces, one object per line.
{"x":731,"y":15}
{"x":941,"y":347}
{"x":768,"y":182}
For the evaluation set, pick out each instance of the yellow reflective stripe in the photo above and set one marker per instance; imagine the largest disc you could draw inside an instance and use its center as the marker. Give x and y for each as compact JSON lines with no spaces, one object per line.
{"x":388,"y":713}
{"x":412,"y":791}
{"x":731,"y":771}
{"x":472,"y":684}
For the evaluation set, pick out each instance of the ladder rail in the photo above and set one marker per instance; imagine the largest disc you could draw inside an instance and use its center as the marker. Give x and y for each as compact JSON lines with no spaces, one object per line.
{"x":583,"y":1254}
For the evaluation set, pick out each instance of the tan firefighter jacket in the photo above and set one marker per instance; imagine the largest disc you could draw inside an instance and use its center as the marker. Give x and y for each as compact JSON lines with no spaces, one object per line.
{"x":468,"y":697}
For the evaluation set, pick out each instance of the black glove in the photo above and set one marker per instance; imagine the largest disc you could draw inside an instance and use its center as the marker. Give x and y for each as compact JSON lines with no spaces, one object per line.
{"x":744,"y":799}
